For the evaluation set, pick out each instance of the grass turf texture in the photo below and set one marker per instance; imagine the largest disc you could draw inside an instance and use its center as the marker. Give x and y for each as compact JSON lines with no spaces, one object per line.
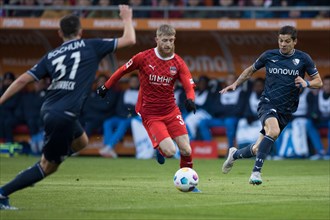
{"x":126,"y":188}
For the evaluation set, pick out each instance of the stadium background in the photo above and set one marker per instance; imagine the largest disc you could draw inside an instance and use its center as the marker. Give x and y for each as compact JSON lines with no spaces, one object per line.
{"x":213,"y":47}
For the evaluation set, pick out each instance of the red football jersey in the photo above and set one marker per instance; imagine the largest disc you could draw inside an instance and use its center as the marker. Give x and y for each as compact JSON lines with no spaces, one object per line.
{"x":157,"y":76}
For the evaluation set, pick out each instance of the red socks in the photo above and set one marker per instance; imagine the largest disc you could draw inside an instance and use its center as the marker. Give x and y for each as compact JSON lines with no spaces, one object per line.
{"x":186,"y":161}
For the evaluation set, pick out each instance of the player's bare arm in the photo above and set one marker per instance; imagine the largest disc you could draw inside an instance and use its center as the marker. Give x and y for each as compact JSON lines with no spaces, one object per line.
{"x":16,"y":86}
{"x":245,"y":75}
{"x":315,"y":83}
{"x":128,"y":38}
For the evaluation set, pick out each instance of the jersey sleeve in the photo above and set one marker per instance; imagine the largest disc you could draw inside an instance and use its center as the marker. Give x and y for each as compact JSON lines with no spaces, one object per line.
{"x":186,"y":80}
{"x":104,"y":46}
{"x":39,"y":70}
{"x":260,"y":62}
{"x":130,"y":66}
{"x":310,"y":66}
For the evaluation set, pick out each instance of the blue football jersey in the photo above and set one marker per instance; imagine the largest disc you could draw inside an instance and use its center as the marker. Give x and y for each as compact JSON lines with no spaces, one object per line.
{"x":72,"y":68}
{"x":281,"y":71}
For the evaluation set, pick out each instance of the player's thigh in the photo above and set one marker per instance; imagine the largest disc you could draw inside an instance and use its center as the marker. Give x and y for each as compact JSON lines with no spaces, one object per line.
{"x":156,"y":130}
{"x":59,"y":134}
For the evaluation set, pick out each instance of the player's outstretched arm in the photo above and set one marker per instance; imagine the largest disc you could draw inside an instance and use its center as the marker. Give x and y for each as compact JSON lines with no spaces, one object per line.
{"x":245,"y":75}
{"x":16,"y":86}
{"x":128,"y":38}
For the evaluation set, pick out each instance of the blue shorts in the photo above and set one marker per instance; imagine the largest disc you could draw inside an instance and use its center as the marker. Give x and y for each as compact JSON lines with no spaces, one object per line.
{"x":60,"y":130}
{"x":267,"y":110}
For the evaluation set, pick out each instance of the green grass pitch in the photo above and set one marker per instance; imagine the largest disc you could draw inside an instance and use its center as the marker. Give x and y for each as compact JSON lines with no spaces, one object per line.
{"x":126,"y":188}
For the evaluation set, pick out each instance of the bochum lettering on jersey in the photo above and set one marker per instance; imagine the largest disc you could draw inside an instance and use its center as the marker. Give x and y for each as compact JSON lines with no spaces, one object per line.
{"x":284,"y":71}
{"x":72,"y":46}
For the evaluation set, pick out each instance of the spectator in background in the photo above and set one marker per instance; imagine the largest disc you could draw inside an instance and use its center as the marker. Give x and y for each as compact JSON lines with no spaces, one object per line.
{"x":257,"y":14}
{"x":3,"y":12}
{"x":96,"y":110}
{"x":249,"y":126}
{"x":224,"y":4}
{"x":166,"y":3}
{"x":31,"y":103}
{"x":28,"y":12}
{"x":226,"y":111}
{"x":322,"y":113}
{"x":204,"y":101}
{"x":9,"y":114}
{"x":296,"y":13}
{"x":194,"y":13}
{"x":83,"y":13}
{"x":139,"y":13}
{"x":293,"y":141}
{"x":115,"y":127}
{"x":104,"y":14}
{"x":56,"y":13}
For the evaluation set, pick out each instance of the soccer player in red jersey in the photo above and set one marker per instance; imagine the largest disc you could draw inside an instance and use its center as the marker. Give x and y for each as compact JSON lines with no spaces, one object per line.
{"x":159,"y":68}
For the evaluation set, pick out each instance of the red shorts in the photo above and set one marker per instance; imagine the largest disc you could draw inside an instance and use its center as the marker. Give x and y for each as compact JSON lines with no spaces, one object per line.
{"x":161,"y":127}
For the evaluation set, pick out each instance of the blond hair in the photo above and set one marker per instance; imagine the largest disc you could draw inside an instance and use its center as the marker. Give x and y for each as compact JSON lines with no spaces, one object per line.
{"x":165,"y":30}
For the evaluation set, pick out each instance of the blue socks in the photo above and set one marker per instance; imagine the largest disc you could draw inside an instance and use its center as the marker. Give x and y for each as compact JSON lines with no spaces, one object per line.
{"x":245,"y":152}
{"x":24,"y":179}
{"x":264,"y":149}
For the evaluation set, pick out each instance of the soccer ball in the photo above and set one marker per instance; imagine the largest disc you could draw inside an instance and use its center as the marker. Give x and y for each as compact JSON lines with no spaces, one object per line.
{"x":185,"y":179}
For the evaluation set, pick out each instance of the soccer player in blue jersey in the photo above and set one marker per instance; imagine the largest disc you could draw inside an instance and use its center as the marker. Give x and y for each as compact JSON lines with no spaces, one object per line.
{"x":72,"y":68}
{"x":285,"y":76}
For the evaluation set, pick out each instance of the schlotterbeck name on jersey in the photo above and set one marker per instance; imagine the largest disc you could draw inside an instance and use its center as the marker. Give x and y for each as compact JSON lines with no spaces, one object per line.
{"x":160,"y":80}
{"x":66,"y":85}
{"x":283,"y":71}
{"x":72,"y":46}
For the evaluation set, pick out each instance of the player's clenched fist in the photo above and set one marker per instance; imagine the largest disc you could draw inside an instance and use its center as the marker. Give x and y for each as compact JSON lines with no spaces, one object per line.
{"x":190,"y":105}
{"x":102,"y":91}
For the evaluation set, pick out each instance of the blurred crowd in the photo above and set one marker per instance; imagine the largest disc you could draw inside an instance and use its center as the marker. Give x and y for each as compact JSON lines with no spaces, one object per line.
{"x":235,"y":112}
{"x":152,"y":12}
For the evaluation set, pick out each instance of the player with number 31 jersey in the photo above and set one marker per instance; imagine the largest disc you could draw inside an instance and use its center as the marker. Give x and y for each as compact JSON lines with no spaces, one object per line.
{"x":72,"y":68}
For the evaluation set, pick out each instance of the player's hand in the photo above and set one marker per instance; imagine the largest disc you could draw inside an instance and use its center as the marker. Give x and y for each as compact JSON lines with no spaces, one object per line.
{"x":125,"y":12}
{"x":102,"y":91}
{"x":232,"y":87}
{"x":301,"y":83}
{"x":190,"y":105}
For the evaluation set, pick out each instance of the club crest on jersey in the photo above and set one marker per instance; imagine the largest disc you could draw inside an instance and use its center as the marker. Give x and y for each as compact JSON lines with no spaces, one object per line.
{"x":296,"y":61}
{"x":173,"y":70}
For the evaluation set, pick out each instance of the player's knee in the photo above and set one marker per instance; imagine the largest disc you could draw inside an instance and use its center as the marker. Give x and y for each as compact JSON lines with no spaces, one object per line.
{"x":185,"y":151}
{"x":48,"y":167}
{"x":169,"y":152}
{"x":273,"y":133}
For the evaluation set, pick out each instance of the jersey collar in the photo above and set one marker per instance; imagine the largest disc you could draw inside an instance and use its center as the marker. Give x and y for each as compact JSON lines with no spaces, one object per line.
{"x":69,"y":41}
{"x":289,"y":55}
{"x":160,"y":57}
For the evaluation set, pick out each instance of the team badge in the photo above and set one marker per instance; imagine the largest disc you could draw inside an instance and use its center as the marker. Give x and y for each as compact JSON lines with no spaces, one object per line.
{"x":296,"y":61}
{"x":173,"y":70}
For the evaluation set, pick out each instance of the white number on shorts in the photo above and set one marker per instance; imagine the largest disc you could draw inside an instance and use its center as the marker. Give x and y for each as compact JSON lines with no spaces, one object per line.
{"x":180,"y":119}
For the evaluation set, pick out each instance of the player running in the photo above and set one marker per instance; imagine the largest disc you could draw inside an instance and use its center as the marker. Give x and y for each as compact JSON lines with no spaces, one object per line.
{"x":72,"y":68}
{"x":159,"y":68}
{"x":285,"y":72}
